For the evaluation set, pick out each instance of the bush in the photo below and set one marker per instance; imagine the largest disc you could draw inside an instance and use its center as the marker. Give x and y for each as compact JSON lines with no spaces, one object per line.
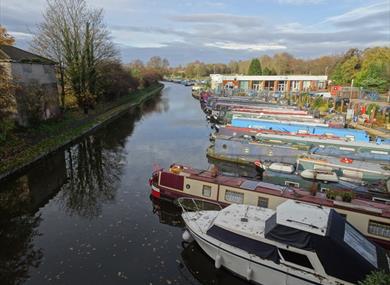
{"x":376,"y":278}
{"x":115,"y":81}
{"x":149,"y":77}
{"x":6,"y":125}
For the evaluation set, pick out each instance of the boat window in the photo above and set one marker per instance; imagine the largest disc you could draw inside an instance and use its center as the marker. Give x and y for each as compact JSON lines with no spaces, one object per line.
{"x":262,"y":202}
{"x":343,"y":215}
{"x":360,"y":244}
{"x":206,"y":191}
{"x":291,"y":184}
{"x":296,"y":258}
{"x":234,"y":197}
{"x":252,"y":246}
{"x":379,"y":229}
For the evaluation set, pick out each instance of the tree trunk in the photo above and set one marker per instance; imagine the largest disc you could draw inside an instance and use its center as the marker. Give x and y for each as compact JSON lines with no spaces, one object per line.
{"x":62,"y":79}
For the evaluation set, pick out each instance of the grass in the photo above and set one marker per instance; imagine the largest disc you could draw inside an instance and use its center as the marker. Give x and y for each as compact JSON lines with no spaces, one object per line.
{"x":25,"y":145}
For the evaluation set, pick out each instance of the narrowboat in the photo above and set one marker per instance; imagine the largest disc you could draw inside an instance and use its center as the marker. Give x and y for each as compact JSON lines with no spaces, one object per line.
{"x":226,"y":117}
{"x":346,"y":167}
{"x":317,"y":144}
{"x":356,"y":167}
{"x":356,"y":135}
{"x":371,"y":217}
{"x":297,"y":243}
{"x":285,"y":175}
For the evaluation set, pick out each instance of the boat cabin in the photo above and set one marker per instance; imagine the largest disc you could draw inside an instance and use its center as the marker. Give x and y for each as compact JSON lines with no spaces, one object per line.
{"x":300,"y":237}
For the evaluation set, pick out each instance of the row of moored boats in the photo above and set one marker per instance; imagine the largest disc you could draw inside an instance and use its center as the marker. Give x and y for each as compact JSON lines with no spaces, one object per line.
{"x":302,"y":200}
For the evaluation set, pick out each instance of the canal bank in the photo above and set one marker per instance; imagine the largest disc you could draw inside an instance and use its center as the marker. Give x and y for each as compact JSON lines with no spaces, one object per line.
{"x":84,"y":215}
{"x":78,"y":129}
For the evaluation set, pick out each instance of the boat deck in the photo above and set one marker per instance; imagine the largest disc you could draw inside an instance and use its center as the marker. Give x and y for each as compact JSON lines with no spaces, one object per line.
{"x":357,"y":204}
{"x":244,"y":219}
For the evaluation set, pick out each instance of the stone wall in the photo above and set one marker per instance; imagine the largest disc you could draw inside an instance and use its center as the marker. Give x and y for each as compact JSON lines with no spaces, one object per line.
{"x":32,"y":79}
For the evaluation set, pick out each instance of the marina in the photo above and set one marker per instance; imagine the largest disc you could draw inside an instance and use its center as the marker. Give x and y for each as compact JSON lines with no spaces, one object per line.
{"x":98,"y":225}
{"x":194,"y":142}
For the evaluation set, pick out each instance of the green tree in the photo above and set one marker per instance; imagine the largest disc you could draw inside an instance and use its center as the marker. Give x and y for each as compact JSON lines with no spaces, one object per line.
{"x":347,"y":68}
{"x":267,"y":71}
{"x":376,"y":278}
{"x":375,"y":70}
{"x":255,"y":67}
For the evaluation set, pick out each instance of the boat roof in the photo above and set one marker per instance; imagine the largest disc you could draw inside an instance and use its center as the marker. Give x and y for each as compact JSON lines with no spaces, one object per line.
{"x":244,"y":219}
{"x":356,"y":165}
{"x":230,"y":128}
{"x":251,"y":220}
{"x":303,"y":216}
{"x":324,"y":140}
{"x":357,"y":204}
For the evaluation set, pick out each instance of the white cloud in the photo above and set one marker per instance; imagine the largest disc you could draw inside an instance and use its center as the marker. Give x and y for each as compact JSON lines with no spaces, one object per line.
{"x":228,"y":19}
{"x":300,"y":2}
{"x":363,"y":13}
{"x":245,"y":46}
{"x":21,"y":35}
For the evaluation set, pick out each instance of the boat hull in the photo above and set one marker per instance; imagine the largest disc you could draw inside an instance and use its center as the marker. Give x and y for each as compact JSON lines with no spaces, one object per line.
{"x":241,"y":265}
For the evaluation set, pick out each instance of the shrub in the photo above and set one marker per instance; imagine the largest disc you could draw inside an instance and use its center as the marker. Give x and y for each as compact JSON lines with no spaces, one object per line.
{"x":376,"y":278}
{"x":115,"y":81}
{"x":149,"y":77}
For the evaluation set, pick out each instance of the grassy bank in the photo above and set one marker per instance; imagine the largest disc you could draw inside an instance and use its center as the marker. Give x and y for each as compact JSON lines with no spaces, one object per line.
{"x":27,"y":145}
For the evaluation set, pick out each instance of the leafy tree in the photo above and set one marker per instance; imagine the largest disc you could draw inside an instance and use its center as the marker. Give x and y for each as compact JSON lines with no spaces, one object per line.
{"x":267,"y":71}
{"x":376,"y":278}
{"x":347,"y":67}
{"x":136,"y":67}
{"x":283,"y":63}
{"x":5,"y":38}
{"x":375,"y":70}
{"x":255,"y":67}
{"x":114,"y":80}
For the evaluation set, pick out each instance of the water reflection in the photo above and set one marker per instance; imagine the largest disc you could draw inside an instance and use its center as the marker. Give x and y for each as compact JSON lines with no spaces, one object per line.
{"x":95,"y":165}
{"x":85,"y":177}
{"x":167,"y":212}
{"x":20,"y":200}
{"x":202,"y":268}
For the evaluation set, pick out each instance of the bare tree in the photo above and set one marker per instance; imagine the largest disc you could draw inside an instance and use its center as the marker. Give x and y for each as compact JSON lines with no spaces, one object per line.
{"x":75,"y":36}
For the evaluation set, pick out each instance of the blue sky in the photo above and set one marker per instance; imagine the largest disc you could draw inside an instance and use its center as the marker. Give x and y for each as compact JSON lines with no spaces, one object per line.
{"x":223,"y":30}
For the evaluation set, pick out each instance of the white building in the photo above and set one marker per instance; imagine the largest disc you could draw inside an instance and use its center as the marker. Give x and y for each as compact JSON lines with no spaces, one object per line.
{"x":280,"y":83}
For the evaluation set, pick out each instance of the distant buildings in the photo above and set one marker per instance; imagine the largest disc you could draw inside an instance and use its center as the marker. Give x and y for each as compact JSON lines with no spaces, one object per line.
{"x":276,"y":83}
{"x":35,"y":82}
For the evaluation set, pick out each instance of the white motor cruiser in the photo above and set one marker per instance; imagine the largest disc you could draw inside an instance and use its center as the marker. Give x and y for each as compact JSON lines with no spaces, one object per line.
{"x":297,"y":244}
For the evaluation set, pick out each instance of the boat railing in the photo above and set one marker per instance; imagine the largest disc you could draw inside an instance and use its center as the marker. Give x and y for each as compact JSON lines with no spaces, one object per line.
{"x":194,"y":205}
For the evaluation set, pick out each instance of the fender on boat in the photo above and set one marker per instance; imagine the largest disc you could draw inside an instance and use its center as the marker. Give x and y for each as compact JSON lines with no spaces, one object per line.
{"x":249,"y":273}
{"x":186,"y":236}
{"x":218,"y":261}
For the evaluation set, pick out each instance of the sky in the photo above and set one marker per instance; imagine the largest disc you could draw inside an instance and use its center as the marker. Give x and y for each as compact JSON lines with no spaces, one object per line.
{"x":222,"y":30}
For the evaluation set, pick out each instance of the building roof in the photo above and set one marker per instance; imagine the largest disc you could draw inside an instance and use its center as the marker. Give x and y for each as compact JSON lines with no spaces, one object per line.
{"x":14,"y":54}
{"x":219,"y":78}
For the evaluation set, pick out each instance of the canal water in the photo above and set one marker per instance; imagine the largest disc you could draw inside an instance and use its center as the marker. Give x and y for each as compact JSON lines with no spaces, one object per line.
{"x":84,"y":215}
